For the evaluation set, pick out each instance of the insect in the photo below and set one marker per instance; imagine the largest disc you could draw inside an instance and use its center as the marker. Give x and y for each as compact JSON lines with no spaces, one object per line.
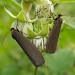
{"x":53,"y":38}
{"x":29,"y":48}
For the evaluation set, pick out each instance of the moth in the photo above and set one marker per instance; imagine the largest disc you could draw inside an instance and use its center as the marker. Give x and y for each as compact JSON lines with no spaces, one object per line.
{"x":54,"y":35}
{"x":29,"y":48}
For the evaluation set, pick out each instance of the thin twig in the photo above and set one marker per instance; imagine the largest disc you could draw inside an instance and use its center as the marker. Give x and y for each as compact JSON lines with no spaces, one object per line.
{"x":5,"y":37}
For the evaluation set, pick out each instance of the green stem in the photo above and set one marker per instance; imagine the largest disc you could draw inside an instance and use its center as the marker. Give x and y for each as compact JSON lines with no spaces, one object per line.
{"x":36,"y":70}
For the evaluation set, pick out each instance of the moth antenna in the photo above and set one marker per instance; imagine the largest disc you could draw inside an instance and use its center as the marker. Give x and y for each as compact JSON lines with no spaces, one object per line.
{"x":17,"y":24}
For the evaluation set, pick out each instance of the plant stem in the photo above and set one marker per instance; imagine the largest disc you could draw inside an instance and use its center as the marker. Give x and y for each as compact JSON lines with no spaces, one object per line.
{"x":36,"y":70}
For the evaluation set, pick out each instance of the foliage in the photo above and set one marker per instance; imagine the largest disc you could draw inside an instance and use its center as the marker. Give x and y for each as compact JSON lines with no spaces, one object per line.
{"x":13,"y":61}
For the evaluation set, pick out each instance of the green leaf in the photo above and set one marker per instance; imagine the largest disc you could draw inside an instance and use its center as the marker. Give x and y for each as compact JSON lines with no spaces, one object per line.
{"x":44,"y":31}
{"x":67,"y":36}
{"x":69,"y":21}
{"x":62,"y":1}
{"x":21,"y":17}
{"x":31,"y":33}
{"x":60,"y":61}
{"x":68,"y":11}
{"x":26,"y":6}
{"x":42,"y":2}
{"x":16,"y":4}
{"x":55,"y":1}
{"x":66,"y":0}
{"x":13,"y":16}
{"x":27,"y":16}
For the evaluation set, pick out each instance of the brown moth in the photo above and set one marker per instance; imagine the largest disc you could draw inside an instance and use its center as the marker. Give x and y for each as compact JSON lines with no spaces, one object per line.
{"x":29,"y":48}
{"x":54,"y":35}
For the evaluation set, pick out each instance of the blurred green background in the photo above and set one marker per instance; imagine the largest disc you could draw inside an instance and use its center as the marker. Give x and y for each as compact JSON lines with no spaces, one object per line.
{"x":13,"y":61}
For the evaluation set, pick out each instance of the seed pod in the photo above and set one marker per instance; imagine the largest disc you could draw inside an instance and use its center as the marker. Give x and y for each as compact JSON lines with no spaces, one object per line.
{"x":30,"y":49}
{"x":54,"y":35}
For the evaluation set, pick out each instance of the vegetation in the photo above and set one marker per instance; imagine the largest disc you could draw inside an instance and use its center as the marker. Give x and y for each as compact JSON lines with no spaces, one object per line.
{"x":34,"y":21}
